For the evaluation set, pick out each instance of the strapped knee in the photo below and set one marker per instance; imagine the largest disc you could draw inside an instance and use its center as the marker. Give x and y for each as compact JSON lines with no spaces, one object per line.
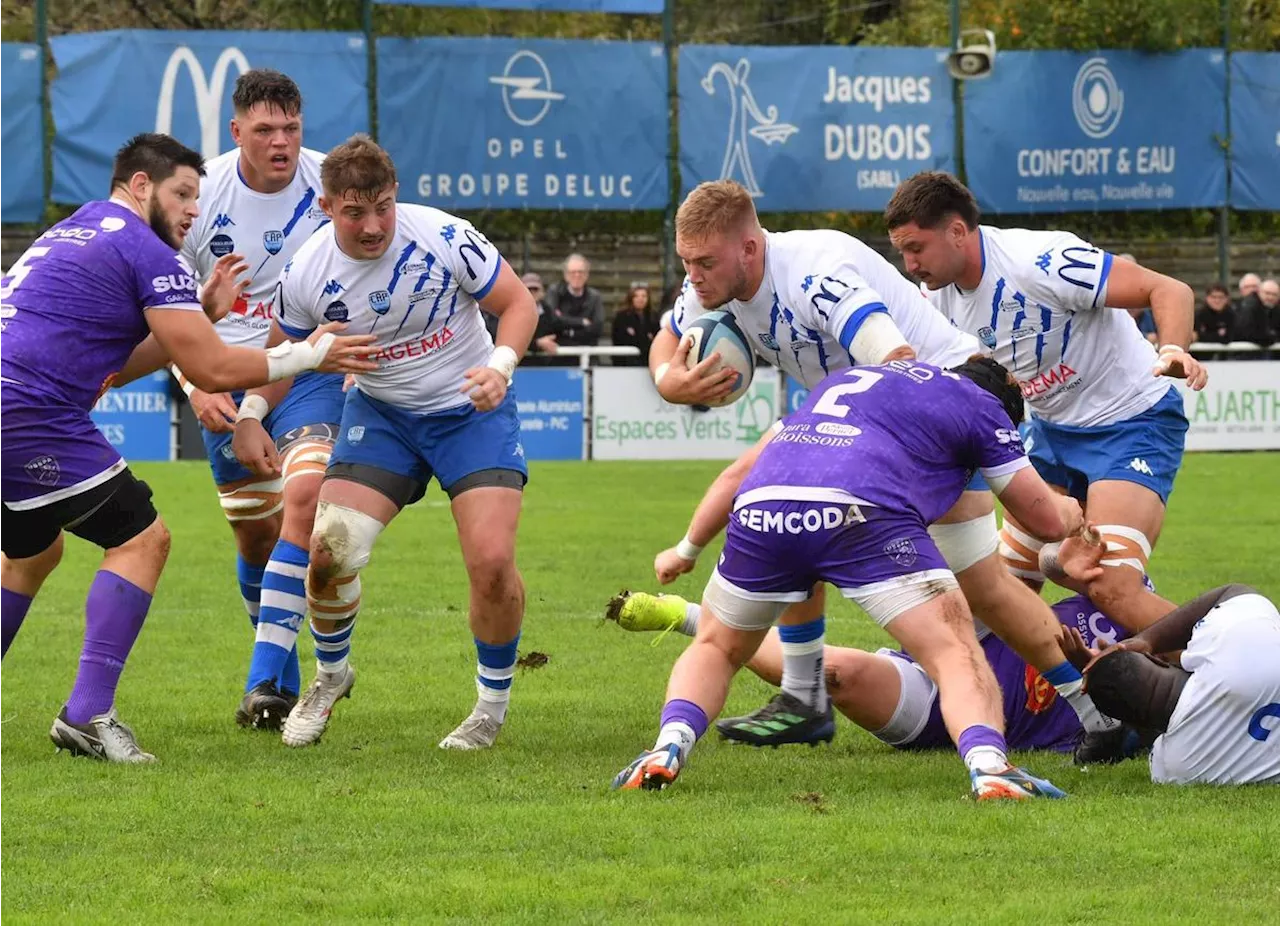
{"x":254,"y":501}
{"x":343,"y":539}
{"x":307,"y":452}
{"x":1020,"y":553}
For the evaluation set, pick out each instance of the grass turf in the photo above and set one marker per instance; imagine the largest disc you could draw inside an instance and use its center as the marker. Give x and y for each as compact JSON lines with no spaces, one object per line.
{"x":376,"y":822}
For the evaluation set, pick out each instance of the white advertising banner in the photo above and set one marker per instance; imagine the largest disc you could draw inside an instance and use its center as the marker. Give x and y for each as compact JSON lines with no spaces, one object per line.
{"x":1238,"y":410}
{"x":630,"y":421}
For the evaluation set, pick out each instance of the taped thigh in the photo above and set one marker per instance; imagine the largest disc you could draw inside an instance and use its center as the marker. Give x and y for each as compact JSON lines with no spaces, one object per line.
{"x":1126,"y":546}
{"x":967,"y":542}
{"x":886,"y":600}
{"x":743,"y":610}
{"x":305,"y":451}
{"x":1020,"y":552}
{"x":915,"y":702}
{"x":252,"y":502}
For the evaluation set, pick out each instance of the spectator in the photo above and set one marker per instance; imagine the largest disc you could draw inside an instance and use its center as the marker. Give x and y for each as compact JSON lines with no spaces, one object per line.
{"x":1215,"y":323}
{"x":635,"y":325}
{"x":577,"y":310}
{"x":544,"y":342}
{"x":1269,"y":296}
{"x":1145,"y":320}
{"x":1247,"y":287}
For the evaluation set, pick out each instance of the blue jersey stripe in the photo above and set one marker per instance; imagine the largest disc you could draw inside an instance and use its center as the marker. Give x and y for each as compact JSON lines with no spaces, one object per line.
{"x":484,"y":290}
{"x":300,"y":210}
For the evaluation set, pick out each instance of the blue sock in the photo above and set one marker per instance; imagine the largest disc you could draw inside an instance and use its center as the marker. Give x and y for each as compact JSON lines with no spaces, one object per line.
{"x":284,"y":604}
{"x":1064,"y":675}
{"x":332,"y":649}
{"x":250,"y":577}
{"x":1068,"y":682}
{"x":496,"y":666}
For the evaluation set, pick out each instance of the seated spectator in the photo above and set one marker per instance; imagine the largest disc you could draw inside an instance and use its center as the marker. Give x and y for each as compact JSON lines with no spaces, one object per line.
{"x":544,"y":342}
{"x":635,"y":325}
{"x":1215,"y":322}
{"x":577,"y":310}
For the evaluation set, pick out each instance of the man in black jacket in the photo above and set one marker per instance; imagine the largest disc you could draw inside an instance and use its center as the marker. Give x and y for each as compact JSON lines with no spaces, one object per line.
{"x":577,"y":310}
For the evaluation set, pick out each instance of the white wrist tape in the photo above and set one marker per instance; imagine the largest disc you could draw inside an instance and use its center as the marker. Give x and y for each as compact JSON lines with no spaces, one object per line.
{"x":504,"y":360}
{"x":1171,"y":349}
{"x":253,"y":406}
{"x":293,"y":357}
{"x":188,"y":387}
{"x":660,"y":372}
{"x":877,"y":337}
{"x":687,"y":549}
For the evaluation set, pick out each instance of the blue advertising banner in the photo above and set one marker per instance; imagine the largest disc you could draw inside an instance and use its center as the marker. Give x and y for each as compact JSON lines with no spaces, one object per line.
{"x":813,"y":128}
{"x":112,"y":85}
{"x":21,"y":133}
{"x":478,"y":123}
{"x":568,"y":6}
{"x":1255,"y":130}
{"x":1055,"y":131}
{"x":136,"y":418}
{"x":797,"y":394}
{"x":552,"y":407}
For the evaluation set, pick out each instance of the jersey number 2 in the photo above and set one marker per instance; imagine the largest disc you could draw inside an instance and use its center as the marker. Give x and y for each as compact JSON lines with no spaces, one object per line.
{"x":829,"y":403}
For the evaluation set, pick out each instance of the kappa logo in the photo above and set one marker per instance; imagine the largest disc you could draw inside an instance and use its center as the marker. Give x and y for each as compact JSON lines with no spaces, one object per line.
{"x":448,"y":233}
{"x":208,"y":93}
{"x":746,"y":118}
{"x":380,"y":301}
{"x":526,"y":88}
{"x":44,"y":470}
{"x":1140,"y":466}
{"x":1043,"y":262}
{"x":273,"y":241}
{"x":333,"y":287}
{"x":903,"y":552}
{"x":1096,"y":99}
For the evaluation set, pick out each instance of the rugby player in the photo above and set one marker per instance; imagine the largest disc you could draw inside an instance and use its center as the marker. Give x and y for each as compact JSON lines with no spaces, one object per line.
{"x":853,"y":510}
{"x":102,"y":296}
{"x":439,"y":405}
{"x":261,"y":200}
{"x":812,"y":302}
{"x":1107,"y":425}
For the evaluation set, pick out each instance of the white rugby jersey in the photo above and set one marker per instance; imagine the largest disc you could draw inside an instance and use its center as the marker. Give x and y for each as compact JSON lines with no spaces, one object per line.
{"x":819,"y":286}
{"x":420,"y":299}
{"x":1225,"y":728}
{"x":267,"y":228}
{"x":1040,"y":310}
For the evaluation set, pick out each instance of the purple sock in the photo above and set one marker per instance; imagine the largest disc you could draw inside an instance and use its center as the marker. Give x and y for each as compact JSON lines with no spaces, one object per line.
{"x":679,"y":711}
{"x":980,"y":735}
{"x":114,"y":612}
{"x":13,"y":611}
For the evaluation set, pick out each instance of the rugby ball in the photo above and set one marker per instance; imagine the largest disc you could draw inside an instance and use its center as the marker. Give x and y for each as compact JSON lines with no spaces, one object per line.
{"x":718,"y":333}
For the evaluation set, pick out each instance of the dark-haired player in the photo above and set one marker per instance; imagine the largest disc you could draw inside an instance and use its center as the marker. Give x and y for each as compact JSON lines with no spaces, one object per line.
{"x":844,"y":493}
{"x":1107,"y":425}
{"x":261,"y":199}
{"x":77,"y":309}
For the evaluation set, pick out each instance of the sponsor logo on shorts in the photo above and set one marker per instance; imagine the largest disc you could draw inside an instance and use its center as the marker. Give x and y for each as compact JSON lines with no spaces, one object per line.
{"x":228,"y":452}
{"x":812,"y":520}
{"x":355,"y":434}
{"x":45,"y":470}
{"x":221,"y":245}
{"x":273,"y":240}
{"x":1140,"y":466}
{"x":903,"y":552}
{"x":1040,"y":694}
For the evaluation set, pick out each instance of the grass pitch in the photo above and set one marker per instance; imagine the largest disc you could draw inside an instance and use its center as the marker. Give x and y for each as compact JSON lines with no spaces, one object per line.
{"x":377,"y":823}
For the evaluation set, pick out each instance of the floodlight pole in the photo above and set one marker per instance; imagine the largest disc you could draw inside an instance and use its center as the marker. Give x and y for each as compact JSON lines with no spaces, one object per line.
{"x":371,"y":64}
{"x":1224,"y":213}
{"x":673,"y":188}
{"x":46,"y":118}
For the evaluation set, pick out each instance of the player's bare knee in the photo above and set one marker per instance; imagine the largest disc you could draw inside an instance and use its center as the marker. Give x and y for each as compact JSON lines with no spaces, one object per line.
{"x":153,"y":543}
{"x":255,"y":539}
{"x":492,"y":571}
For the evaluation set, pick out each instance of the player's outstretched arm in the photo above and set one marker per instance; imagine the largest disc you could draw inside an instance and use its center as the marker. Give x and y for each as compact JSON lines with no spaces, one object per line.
{"x":1173,"y":631}
{"x":1172,"y":305}
{"x":1047,"y":515}
{"x":190,"y":341}
{"x":710,"y":517}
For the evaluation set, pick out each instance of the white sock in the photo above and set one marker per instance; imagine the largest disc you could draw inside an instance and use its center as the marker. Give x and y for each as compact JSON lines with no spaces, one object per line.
{"x":985,"y":759}
{"x":493,"y":703}
{"x":1092,"y":719}
{"x":692,"y":611}
{"x":678,"y":732}
{"x":802,"y":671}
